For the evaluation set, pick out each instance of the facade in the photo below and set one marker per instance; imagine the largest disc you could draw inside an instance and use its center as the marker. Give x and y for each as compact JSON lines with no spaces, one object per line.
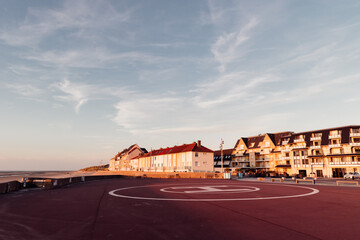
{"x":185,"y":158}
{"x":226,"y":159}
{"x":262,"y":153}
{"x":121,"y":161}
{"x":320,"y":153}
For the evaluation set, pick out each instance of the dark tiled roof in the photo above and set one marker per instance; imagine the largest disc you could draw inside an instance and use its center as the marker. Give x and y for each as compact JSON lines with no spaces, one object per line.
{"x":225,"y":152}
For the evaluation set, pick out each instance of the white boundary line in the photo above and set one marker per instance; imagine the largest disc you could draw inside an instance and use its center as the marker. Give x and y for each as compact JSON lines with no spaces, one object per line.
{"x":112,"y":193}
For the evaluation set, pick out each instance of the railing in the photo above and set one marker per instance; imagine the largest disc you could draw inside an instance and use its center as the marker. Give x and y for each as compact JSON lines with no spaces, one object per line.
{"x":315,"y":147}
{"x":299,"y":146}
{"x":317,"y":163}
{"x":334,"y":136}
{"x":299,"y":140}
{"x":286,"y":158}
{"x":286,"y":150}
{"x":304,"y":157}
{"x":284,"y":142}
{"x":355,"y":134}
{"x":335,"y":145}
{"x":344,"y":163}
{"x":315,"y":138}
{"x":355,"y":144}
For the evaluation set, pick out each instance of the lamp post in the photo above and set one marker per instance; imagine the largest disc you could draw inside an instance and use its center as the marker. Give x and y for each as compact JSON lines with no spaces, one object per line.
{"x":221,"y":150}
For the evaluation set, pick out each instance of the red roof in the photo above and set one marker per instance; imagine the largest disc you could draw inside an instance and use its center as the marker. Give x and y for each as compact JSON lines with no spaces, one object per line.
{"x":193,"y":147}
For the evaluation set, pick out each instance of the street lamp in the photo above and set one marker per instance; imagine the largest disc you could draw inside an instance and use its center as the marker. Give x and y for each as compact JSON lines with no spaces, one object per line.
{"x":221,"y":150}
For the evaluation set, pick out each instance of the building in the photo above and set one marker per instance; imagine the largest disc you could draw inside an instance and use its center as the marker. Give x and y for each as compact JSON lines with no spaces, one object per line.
{"x":226,"y":159}
{"x":184,"y":158}
{"x":121,"y":161}
{"x":328,"y":152}
{"x":262,"y":153}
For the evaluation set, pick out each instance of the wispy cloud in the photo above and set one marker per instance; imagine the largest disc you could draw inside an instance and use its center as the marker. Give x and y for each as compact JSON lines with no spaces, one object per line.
{"x":26,"y":90}
{"x":227,"y":47}
{"x":82,"y":17}
{"x":146,"y":111}
{"x":78,"y":94}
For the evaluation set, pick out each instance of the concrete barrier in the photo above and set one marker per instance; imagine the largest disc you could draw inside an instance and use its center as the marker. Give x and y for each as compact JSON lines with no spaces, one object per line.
{"x":277,"y":179}
{"x":261,"y":179}
{"x":305,"y":180}
{"x":347,"y":182}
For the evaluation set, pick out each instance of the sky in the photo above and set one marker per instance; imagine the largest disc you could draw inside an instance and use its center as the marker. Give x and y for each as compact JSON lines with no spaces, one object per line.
{"x":82,"y":80}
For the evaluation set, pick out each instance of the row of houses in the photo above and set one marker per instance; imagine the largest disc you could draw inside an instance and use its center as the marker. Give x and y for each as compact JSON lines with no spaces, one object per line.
{"x":191,"y":157}
{"x":328,"y":152}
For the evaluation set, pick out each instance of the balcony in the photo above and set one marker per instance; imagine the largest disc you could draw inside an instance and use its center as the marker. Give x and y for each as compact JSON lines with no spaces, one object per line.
{"x":332,"y":136}
{"x":286,"y":150}
{"x":296,"y":157}
{"x":355,"y":134}
{"x":317,"y":163}
{"x":337,"y":145}
{"x":344,"y":163}
{"x":304,"y":157}
{"x":284,"y":142}
{"x":315,"y":138}
{"x":299,"y":140}
{"x":299,"y":146}
{"x":315,"y":147}
{"x":357,"y":144}
{"x":285,"y":158}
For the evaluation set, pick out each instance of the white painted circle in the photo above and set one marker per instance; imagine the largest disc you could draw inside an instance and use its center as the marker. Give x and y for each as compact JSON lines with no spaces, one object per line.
{"x":113,"y":193}
{"x":212,"y":189}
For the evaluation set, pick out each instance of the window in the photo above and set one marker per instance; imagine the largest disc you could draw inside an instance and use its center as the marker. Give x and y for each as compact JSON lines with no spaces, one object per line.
{"x":196,"y":154}
{"x":196,"y":163}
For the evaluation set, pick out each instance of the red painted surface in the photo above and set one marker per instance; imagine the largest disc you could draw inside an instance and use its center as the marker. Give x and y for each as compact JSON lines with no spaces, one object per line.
{"x":87,"y":211}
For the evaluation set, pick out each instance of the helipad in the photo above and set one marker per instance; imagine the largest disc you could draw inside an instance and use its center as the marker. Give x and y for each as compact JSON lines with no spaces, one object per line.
{"x":214,"y":192}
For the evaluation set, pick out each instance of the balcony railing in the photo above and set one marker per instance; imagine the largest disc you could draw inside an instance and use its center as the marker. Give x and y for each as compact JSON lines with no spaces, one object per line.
{"x":355,"y":134}
{"x":299,"y":140}
{"x":317,"y":163}
{"x":284,"y":142}
{"x":315,"y":147}
{"x":299,"y":146}
{"x":344,"y":163}
{"x":337,"y":145}
{"x":286,"y":150}
{"x":315,"y":138}
{"x":332,"y":136}
{"x":355,"y":144}
{"x":286,"y":158}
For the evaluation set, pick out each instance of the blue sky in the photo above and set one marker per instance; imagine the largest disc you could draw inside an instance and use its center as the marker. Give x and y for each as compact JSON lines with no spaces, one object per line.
{"x":82,"y":80}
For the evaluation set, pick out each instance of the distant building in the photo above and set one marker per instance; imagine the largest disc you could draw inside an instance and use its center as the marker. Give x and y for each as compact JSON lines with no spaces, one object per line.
{"x":185,"y":158}
{"x":121,"y":161}
{"x":226,"y":160}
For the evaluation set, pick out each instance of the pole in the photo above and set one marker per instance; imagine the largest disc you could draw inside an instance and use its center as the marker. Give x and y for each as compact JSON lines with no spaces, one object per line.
{"x":221,"y":150}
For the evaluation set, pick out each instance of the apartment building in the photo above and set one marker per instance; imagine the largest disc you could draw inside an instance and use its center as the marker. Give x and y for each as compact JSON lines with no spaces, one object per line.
{"x":262,"y":153}
{"x":184,"y":158}
{"x":323,"y":153}
{"x":327,"y":152}
{"x":121,"y":161}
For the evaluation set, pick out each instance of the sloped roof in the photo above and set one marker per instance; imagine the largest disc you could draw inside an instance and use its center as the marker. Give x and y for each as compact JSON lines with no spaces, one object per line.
{"x":225,"y":152}
{"x":178,"y":149}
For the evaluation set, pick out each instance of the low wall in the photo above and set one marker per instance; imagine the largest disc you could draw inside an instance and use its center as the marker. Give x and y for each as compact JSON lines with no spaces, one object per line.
{"x":10,"y":186}
{"x":49,"y":183}
{"x":171,"y":174}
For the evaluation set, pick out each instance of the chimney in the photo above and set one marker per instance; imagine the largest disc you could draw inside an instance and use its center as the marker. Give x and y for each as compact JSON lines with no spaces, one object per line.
{"x":198,"y":143}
